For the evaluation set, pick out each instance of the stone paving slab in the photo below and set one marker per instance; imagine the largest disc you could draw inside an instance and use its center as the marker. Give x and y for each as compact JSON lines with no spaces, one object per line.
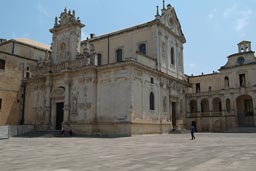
{"x":169,"y":152}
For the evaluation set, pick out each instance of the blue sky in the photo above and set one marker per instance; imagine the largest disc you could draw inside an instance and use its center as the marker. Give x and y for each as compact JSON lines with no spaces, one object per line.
{"x":212,"y":27}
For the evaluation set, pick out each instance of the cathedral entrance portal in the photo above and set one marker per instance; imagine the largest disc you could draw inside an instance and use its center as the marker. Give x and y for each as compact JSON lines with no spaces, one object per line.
{"x":59,"y":115}
{"x":245,"y":115}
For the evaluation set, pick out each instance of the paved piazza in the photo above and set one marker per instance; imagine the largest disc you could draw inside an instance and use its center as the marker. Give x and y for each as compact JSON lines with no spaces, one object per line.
{"x":227,"y":152}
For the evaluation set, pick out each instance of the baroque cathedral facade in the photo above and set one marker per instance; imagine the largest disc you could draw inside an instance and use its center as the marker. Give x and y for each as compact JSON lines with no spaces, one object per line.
{"x":126,"y":82}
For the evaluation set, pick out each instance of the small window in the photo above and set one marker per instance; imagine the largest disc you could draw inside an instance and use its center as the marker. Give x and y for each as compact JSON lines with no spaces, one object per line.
{"x":242,"y":80}
{"x":27,"y":75}
{"x":2,"y":64}
{"x":119,"y":55}
{"x":172,"y":56}
{"x":28,"y":68}
{"x":197,"y":87}
{"x":143,"y":48}
{"x":152,"y":80}
{"x":0,"y":104}
{"x":210,"y":88}
{"x":99,"y":59}
{"x":151,"y":101}
{"x":226,"y":82}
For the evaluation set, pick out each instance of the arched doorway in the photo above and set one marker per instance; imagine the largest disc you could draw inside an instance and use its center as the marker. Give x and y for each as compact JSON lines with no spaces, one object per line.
{"x":245,"y":113}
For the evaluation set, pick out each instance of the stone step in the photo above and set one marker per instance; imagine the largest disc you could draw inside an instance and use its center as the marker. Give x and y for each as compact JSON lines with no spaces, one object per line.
{"x":42,"y":133}
{"x":242,"y":130}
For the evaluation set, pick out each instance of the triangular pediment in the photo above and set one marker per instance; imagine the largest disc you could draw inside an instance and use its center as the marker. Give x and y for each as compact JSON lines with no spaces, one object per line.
{"x":170,"y":20}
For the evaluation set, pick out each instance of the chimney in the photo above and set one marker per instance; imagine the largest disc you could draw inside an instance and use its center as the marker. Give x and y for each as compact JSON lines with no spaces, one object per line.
{"x":92,"y":35}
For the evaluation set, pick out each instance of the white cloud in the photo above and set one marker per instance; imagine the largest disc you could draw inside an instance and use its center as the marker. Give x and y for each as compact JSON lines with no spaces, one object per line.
{"x":14,"y":35}
{"x":243,"y":21}
{"x":230,"y":11}
{"x":42,"y":10}
{"x":191,"y":66}
{"x":212,"y":14}
{"x":240,"y":18}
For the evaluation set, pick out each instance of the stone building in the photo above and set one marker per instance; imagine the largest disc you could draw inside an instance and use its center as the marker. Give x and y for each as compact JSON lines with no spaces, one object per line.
{"x":126,"y":82}
{"x":17,"y":57}
{"x":225,"y":99}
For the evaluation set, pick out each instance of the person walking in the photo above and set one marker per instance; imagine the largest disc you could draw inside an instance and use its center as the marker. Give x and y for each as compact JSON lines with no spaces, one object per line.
{"x":193,"y":129}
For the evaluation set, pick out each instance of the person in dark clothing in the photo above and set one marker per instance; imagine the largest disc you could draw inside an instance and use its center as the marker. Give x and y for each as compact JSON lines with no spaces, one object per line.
{"x":193,"y":132}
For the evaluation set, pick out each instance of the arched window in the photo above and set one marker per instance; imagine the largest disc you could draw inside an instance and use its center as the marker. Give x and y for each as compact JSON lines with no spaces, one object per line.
{"x":143,"y":48}
{"x":151,"y":101}
{"x":226,"y":82}
{"x":172,"y":56}
{"x":193,"y":106}
{"x":217,"y":105}
{"x":204,"y":105}
{"x":119,"y":55}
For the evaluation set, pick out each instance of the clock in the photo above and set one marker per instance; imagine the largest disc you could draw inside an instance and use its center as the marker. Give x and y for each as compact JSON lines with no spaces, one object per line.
{"x":240,"y":60}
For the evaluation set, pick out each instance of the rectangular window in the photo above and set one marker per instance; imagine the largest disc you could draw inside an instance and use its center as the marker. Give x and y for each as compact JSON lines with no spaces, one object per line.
{"x":2,"y":64}
{"x":197,"y":87}
{"x":0,"y":104}
{"x":99,"y":59}
{"x":119,"y":55}
{"x":242,"y":80}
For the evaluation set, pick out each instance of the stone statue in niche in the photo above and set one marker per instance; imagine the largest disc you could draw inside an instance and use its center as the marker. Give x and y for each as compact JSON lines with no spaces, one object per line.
{"x":74,"y":106}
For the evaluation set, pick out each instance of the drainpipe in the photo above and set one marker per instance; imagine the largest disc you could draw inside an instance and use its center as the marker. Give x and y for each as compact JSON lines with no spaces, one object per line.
{"x":108,"y":49}
{"x":23,"y":86}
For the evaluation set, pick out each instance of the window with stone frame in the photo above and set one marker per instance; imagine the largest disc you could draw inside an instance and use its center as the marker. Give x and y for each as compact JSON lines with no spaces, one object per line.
{"x":172,"y":56}
{"x":143,"y":48}
{"x":197,"y":87}
{"x":99,"y":59}
{"x":2,"y":64}
{"x":151,"y":101}
{"x":242,"y":80}
{"x":119,"y":55}
{"x":226,"y":82}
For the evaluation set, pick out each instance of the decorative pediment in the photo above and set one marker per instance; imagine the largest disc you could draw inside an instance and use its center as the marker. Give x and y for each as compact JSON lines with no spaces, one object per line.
{"x":58,"y":91}
{"x":170,"y":20}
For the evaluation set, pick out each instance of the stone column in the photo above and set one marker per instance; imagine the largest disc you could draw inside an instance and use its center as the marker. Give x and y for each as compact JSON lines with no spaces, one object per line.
{"x":48,"y":102}
{"x":210,"y":106}
{"x":224,"y":110}
{"x":67,"y":99}
{"x":199,"y":106}
{"x":254,"y":106}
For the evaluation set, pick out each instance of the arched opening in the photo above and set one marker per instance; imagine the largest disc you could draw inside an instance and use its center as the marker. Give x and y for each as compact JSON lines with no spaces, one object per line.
{"x":193,"y":106}
{"x":245,"y":115}
{"x":204,"y":105}
{"x":228,"y":107}
{"x":151,"y":101}
{"x":226,"y":82}
{"x":217,"y":105}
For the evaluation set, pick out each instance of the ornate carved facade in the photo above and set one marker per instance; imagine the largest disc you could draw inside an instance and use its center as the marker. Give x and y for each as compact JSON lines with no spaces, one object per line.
{"x":120,"y":83}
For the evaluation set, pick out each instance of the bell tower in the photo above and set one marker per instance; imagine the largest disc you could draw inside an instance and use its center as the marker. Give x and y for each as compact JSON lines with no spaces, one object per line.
{"x":66,"y":37}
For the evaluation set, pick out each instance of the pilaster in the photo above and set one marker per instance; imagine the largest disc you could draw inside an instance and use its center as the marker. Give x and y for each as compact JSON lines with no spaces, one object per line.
{"x":67,"y":99}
